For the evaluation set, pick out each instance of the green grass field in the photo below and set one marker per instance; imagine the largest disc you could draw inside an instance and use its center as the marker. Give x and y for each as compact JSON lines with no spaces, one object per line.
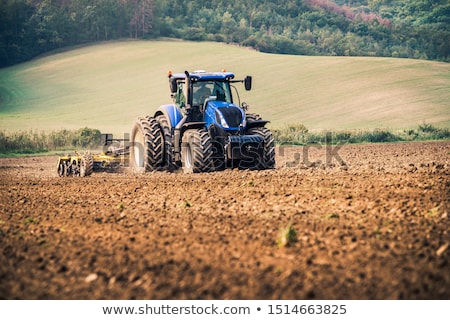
{"x":105,"y":86}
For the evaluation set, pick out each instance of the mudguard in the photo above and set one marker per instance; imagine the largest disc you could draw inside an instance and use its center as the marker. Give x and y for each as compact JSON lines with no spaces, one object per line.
{"x":256,"y":123}
{"x":171,"y":112}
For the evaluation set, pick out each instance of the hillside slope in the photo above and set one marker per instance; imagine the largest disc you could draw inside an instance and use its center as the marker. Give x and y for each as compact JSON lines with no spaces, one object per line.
{"x":107,"y":85}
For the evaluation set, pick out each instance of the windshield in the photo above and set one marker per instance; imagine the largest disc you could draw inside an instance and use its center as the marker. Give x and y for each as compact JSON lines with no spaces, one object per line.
{"x":205,"y":89}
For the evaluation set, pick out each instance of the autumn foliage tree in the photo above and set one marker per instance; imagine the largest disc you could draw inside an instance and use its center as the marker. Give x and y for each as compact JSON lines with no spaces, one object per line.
{"x":389,"y":28}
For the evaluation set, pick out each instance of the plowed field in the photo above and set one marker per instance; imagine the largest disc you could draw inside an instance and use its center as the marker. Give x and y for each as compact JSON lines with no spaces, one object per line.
{"x":367,"y":222}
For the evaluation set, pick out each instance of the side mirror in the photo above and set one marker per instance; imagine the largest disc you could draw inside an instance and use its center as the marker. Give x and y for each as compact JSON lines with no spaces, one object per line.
{"x":173,"y":85}
{"x":248,"y":83}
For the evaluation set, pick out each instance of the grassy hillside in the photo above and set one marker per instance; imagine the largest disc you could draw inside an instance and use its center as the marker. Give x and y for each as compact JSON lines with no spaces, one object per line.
{"x":106,"y":86}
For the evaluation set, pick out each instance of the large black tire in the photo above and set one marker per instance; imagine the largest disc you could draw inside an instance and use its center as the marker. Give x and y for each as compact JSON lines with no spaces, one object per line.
{"x":217,"y":141}
{"x":146,"y":145}
{"x":86,"y":165}
{"x":252,"y":117}
{"x":62,"y":168}
{"x":169,"y":152}
{"x":196,"y":151}
{"x":268,"y":160}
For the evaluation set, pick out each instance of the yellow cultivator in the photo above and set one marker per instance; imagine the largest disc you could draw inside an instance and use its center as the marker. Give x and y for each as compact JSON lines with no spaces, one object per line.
{"x":76,"y":165}
{"x":84,"y":164}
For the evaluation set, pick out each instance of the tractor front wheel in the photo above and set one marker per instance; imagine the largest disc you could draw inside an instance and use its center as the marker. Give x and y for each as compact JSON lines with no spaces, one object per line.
{"x":196,"y":151}
{"x":268,"y":159}
{"x":146,"y":145}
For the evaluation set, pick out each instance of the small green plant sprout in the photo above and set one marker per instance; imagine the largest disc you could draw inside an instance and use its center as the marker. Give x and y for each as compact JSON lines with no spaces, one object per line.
{"x":30,"y":220}
{"x":287,"y":236}
{"x":250,"y":183}
{"x":186,"y":204}
{"x":332,"y":216}
{"x":278,"y":271}
{"x":432,"y":212}
{"x":121,"y":207}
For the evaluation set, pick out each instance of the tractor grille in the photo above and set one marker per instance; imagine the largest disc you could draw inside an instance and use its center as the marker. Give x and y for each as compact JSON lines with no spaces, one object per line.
{"x":232,"y":115}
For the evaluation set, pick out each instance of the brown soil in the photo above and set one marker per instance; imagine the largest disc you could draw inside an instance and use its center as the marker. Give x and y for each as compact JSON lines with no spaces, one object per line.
{"x":371,"y":222}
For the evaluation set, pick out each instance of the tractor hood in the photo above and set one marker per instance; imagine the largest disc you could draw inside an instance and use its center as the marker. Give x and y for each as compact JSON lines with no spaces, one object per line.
{"x":224,"y":115}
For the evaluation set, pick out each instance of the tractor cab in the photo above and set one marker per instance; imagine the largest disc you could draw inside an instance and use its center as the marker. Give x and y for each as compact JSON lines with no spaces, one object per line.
{"x":201,"y":94}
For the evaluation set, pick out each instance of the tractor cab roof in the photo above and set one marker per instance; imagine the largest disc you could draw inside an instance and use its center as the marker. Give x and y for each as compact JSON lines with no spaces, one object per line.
{"x":201,"y":75}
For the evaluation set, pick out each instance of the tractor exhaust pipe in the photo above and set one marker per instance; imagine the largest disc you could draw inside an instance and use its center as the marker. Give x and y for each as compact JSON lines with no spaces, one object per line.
{"x":189,"y":91}
{"x":177,"y":129}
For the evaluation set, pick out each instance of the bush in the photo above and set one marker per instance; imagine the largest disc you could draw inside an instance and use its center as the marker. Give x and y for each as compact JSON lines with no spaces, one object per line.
{"x":381,"y":135}
{"x":298,"y":134}
{"x":430,"y":132}
{"x":442,"y":134}
{"x":25,"y":142}
{"x":291,"y":134}
{"x":86,"y":138}
{"x":427,"y":128}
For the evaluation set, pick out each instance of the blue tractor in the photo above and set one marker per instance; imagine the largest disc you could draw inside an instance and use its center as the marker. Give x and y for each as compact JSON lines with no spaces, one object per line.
{"x":203,"y":129}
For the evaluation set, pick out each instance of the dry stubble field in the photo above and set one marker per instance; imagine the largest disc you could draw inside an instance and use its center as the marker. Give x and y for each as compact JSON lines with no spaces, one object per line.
{"x":374,"y":226}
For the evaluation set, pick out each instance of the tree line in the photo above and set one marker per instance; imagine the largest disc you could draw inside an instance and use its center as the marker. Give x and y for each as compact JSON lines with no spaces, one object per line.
{"x":387,"y":28}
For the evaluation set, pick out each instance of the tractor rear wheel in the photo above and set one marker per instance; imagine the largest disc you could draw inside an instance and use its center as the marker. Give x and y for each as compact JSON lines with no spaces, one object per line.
{"x":169,"y":153}
{"x":146,"y":145}
{"x":86,"y":164}
{"x":196,"y":151}
{"x":268,"y":159}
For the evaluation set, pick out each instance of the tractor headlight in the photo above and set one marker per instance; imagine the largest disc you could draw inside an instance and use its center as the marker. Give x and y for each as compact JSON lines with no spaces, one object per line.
{"x":221,"y":119}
